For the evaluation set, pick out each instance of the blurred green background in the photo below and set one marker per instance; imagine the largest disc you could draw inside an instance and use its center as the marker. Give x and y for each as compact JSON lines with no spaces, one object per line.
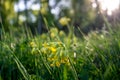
{"x":85,"y":14}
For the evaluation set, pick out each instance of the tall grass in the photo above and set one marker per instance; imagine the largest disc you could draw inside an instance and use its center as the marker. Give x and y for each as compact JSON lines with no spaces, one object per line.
{"x":57,"y":56}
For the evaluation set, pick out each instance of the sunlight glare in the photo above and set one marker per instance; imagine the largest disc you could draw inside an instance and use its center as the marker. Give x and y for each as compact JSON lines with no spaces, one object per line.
{"x":94,"y":5}
{"x":109,"y":5}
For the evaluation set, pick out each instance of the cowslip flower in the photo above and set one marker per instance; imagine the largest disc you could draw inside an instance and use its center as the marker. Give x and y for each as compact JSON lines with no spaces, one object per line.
{"x":32,"y":44}
{"x":52,"y":35}
{"x":62,"y":34}
{"x":53,"y":49}
{"x":57,"y":64}
{"x":64,"y":21}
{"x":43,"y":11}
{"x":45,"y":45}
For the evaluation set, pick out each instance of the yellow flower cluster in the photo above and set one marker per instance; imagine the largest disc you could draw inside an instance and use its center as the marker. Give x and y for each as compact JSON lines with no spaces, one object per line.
{"x":52,"y":35}
{"x":33,"y":44}
{"x":62,"y":34}
{"x":43,"y":36}
{"x":34,"y":47}
{"x":55,"y":62}
{"x":53,"y":32}
{"x":64,"y":21}
{"x":55,"y":53}
{"x":47,"y":48}
{"x":43,"y":11}
{"x":53,"y":49}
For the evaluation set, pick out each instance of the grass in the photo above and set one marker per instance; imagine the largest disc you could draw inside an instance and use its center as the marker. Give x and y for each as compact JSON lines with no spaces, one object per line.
{"x":57,"y":56}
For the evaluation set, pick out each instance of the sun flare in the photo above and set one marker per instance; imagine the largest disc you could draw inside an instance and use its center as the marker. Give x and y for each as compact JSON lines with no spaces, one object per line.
{"x":109,"y":5}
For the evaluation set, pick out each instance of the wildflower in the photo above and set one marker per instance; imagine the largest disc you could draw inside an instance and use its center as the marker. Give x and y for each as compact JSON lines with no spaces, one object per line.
{"x":32,"y":44}
{"x":62,"y":61}
{"x":43,"y":11}
{"x":45,"y":45}
{"x":52,"y":65}
{"x":50,"y":59}
{"x":54,"y":30}
{"x":61,"y":33}
{"x":53,"y":49}
{"x":57,"y":63}
{"x":64,"y":21}
{"x":52,"y":35}
{"x":44,"y":50}
{"x":65,"y":60}
{"x":60,"y":44}
{"x":68,"y":63}
{"x":43,"y":36}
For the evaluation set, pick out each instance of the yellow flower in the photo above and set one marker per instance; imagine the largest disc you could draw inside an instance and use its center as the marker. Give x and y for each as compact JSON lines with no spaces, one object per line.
{"x":52,"y":35}
{"x":43,"y":11}
{"x":64,"y":21}
{"x":43,"y":36}
{"x":62,"y":33}
{"x":52,"y":65}
{"x":65,"y":60}
{"x":57,"y":64}
{"x":60,"y":44}
{"x":54,"y":30}
{"x":49,"y":59}
{"x":68,"y":63}
{"x":62,"y":61}
{"x":52,"y":58}
{"x":44,"y":50}
{"x":32,"y":44}
{"x":45,"y":45}
{"x":53,"y":49}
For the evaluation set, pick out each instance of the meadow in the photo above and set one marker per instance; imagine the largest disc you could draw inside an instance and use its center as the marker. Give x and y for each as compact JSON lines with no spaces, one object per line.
{"x":59,"y":56}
